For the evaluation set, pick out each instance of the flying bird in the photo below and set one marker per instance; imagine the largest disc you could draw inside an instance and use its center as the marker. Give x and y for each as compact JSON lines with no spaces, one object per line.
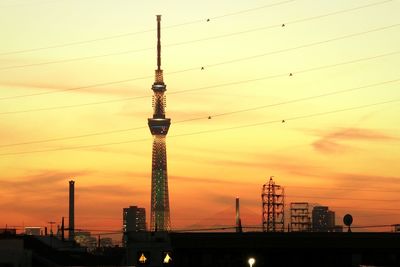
{"x":209,"y":117}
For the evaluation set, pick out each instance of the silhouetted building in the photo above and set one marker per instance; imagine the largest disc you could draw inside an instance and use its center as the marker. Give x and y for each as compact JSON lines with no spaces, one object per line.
{"x":85,"y":239}
{"x":106,"y":242}
{"x":134,"y":220}
{"x":300,"y":220}
{"x":33,"y":230}
{"x":323,"y":219}
{"x":338,"y":228}
{"x":8,"y":231}
{"x":49,"y":251}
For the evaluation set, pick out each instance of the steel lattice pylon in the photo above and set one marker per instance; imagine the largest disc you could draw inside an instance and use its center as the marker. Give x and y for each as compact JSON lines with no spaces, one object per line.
{"x":159,"y":125}
{"x":273,"y":204}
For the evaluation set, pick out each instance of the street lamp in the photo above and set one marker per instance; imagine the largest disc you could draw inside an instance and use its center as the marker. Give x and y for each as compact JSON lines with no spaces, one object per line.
{"x":251,"y":262}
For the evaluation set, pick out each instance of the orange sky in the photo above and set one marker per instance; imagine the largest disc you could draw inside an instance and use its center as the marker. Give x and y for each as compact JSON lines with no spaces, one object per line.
{"x":346,"y":160}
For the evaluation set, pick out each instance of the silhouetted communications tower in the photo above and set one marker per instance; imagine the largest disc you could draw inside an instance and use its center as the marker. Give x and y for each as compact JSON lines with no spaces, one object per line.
{"x":159,"y":125}
{"x":273,"y":204}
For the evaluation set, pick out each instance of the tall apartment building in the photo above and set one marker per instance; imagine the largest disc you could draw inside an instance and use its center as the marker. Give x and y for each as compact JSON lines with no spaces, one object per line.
{"x":134,"y":220}
{"x":323,"y":219}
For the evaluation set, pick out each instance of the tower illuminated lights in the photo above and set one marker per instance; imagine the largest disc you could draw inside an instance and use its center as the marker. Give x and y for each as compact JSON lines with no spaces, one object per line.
{"x":159,"y":125}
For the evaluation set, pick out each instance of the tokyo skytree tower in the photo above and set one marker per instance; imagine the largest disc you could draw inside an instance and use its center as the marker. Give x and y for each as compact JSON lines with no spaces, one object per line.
{"x":159,"y":125}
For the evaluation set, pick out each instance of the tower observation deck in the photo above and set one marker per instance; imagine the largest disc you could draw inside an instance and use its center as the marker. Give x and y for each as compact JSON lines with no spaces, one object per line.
{"x":159,"y":125}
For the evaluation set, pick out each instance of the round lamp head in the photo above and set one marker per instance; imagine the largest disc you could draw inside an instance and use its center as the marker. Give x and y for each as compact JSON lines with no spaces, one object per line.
{"x":348,"y":219}
{"x":251,"y":261}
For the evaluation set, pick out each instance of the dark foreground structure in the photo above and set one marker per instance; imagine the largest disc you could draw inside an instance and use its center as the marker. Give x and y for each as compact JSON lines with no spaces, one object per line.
{"x":268,"y":249}
{"x":210,"y":250}
{"x":49,"y":251}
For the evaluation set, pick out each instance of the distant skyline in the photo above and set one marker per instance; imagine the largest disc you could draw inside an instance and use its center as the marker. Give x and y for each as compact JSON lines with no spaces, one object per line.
{"x":305,"y":91}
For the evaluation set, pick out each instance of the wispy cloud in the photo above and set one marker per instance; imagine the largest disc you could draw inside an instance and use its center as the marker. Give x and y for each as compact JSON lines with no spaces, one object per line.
{"x":37,"y":195}
{"x":365,"y":180}
{"x":39,"y":180}
{"x":44,"y":194}
{"x":334,"y":141}
{"x":114,"y":90}
{"x":206,"y":180}
{"x":274,"y":163}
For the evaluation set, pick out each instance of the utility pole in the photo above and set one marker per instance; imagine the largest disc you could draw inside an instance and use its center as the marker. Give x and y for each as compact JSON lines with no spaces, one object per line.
{"x":51,"y":233}
{"x":51,"y":227}
{"x":62,"y":229}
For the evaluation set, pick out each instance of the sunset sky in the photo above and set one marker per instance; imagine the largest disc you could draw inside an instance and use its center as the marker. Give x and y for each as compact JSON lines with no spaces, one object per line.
{"x":75,"y":79}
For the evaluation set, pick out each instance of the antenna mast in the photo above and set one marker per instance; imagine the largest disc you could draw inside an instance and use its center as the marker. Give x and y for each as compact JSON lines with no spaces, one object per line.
{"x":158,"y":42}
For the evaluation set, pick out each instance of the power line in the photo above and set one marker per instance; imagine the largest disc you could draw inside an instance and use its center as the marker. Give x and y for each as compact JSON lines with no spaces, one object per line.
{"x":210,"y":228}
{"x":373,"y":226}
{"x":197,"y":68}
{"x":232,"y":227}
{"x":306,"y":45}
{"x":251,"y":9}
{"x":199,"y":21}
{"x":203,"y":229}
{"x":343,"y":198}
{"x":73,"y":105}
{"x":338,"y":12}
{"x":345,"y":189}
{"x":75,"y":59}
{"x":304,"y":98}
{"x":195,"y":41}
{"x":25,"y":4}
{"x":208,"y":131}
{"x":361,"y":208}
{"x":144,"y":31}
{"x":286,"y":119}
{"x":75,"y":88}
{"x":74,"y":137}
{"x":94,"y":85}
{"x":359,"y":227}
{"x":189,"y":69}
{"x":217,"y":86}
{"x":206,"y":117}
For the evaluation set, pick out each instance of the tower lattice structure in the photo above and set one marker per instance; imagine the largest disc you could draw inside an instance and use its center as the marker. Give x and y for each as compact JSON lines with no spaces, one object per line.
{"x":159,"y":125}
{"x":273,"y":204}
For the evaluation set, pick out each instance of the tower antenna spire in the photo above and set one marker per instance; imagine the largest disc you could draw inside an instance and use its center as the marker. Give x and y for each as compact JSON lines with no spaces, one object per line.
{"x":158,"y":42}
